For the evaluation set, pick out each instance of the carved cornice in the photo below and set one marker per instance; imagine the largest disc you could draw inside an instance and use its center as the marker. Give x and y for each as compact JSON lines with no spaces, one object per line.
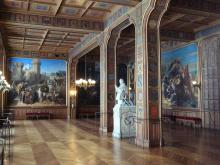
{"x":33,"y":54}
{"x":51,"y":21}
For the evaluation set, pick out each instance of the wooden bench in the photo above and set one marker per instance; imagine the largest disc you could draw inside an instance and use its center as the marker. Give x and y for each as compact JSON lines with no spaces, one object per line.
{"x":196,"y":120}
{"x":174,"y":118}
{"x":170,"y":117}
{"x":38,"y":115}
{"x":88,"y":111}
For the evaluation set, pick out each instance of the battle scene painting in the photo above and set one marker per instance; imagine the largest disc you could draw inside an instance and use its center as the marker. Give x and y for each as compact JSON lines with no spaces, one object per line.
{"x":179,"y":68}
{"x":37,"y":82}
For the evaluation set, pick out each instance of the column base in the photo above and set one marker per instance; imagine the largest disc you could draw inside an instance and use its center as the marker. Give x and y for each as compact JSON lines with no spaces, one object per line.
{"x":68,"y":117}
{"x":162,"y":143}
{"x":103,"y":130}
{"x":142,"y":143}
{"x":147,"y":143}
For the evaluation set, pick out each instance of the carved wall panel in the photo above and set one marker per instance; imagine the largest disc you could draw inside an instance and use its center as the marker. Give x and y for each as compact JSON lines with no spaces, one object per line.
{"x":211,"y":74}
{"x":210,"y":49}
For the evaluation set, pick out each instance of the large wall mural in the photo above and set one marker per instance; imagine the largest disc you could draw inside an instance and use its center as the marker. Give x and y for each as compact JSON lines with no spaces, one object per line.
{"x":37,"y":82}
{"x":179,"y":68}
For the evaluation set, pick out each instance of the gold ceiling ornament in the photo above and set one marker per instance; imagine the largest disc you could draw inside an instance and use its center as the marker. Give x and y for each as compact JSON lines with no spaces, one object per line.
{"x":84,"y":83}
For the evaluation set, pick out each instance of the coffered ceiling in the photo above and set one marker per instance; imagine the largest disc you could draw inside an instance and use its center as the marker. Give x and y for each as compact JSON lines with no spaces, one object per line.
{"x":39,"y":39}
{"x":53,"y":25}
{"x":85,"y":9}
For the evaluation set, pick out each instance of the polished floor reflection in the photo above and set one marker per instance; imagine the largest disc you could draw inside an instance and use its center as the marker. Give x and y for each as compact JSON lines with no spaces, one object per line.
{"x":59,"y":142}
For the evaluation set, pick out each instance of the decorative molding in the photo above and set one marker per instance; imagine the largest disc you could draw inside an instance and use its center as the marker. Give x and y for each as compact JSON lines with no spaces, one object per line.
{"x":33,"y":54}
{"x":51,"y":21}
{"x":114,"y":17}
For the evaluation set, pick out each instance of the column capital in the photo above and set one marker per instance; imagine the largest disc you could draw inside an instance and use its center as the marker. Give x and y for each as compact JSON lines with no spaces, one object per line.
{"x":102,"y":38}
{"x":138,"y":14}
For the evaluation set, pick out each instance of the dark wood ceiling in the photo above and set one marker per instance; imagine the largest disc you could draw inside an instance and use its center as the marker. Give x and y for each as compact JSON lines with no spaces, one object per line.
{"x":186,"y":17}
{"x":53,"y":25}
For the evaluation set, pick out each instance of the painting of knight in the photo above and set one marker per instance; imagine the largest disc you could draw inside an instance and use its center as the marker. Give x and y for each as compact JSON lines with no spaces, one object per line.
{"x":179,"y":68}
{"x":37,"y":82}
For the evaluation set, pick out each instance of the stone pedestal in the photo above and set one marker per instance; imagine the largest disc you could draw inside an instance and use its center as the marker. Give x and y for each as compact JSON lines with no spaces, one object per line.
{"x":124,"y":121}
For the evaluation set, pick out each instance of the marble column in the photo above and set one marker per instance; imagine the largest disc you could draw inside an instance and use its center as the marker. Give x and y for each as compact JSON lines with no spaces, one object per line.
{"x":146,"y":18}
{"x":102,"y":41}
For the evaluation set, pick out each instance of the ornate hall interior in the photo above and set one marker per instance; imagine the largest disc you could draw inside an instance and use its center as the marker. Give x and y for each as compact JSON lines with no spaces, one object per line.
{"x":109,"y":82}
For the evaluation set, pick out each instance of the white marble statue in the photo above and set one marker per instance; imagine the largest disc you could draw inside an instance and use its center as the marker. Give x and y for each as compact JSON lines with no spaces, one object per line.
{"x":122,"y":111}
{"x":122,"y":93}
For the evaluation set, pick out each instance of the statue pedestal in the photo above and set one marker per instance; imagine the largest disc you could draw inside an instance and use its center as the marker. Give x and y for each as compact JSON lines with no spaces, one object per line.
{"x":124,"y":121}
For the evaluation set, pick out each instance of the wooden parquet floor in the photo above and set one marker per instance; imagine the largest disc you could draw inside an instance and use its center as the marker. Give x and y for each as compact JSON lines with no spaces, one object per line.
{"x":60,"y":142}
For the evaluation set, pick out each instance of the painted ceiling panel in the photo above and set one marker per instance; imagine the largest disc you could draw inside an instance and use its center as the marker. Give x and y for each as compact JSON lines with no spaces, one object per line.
{"x":40,"y":7}
{"x":76,"y":2}
{"x":16,"y":4}
{"x":71,"y":11}
{"x":103,"y":5}
{"x":45,"y":1}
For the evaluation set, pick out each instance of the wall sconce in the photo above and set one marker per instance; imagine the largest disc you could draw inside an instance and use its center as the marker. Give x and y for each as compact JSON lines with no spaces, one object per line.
{"x":196,"y":84}
{"x":73,"y":93}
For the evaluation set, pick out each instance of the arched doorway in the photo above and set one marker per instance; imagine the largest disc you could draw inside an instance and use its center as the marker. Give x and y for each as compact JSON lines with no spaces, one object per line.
{"x":88,"y":97}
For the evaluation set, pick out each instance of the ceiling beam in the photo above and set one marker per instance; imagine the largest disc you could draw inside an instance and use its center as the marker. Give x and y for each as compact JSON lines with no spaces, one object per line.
{"x":24,"y":37}
{"x":63,"y":38}
{"x":42,"y":2}
{"x":44,"y":37}
{"x":72,"y":32}
{"x":176,"y":35}
{"x":117,"y":2}
{"x":199,"y":7}
{"x":172,"y":19}
{"x":51,"y":22}
{"x":28,"y":3}
{"x":88,"y":5}
{"x":190,"y":22}
{"x":58,"y":6}
{"x":126,"y":43}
